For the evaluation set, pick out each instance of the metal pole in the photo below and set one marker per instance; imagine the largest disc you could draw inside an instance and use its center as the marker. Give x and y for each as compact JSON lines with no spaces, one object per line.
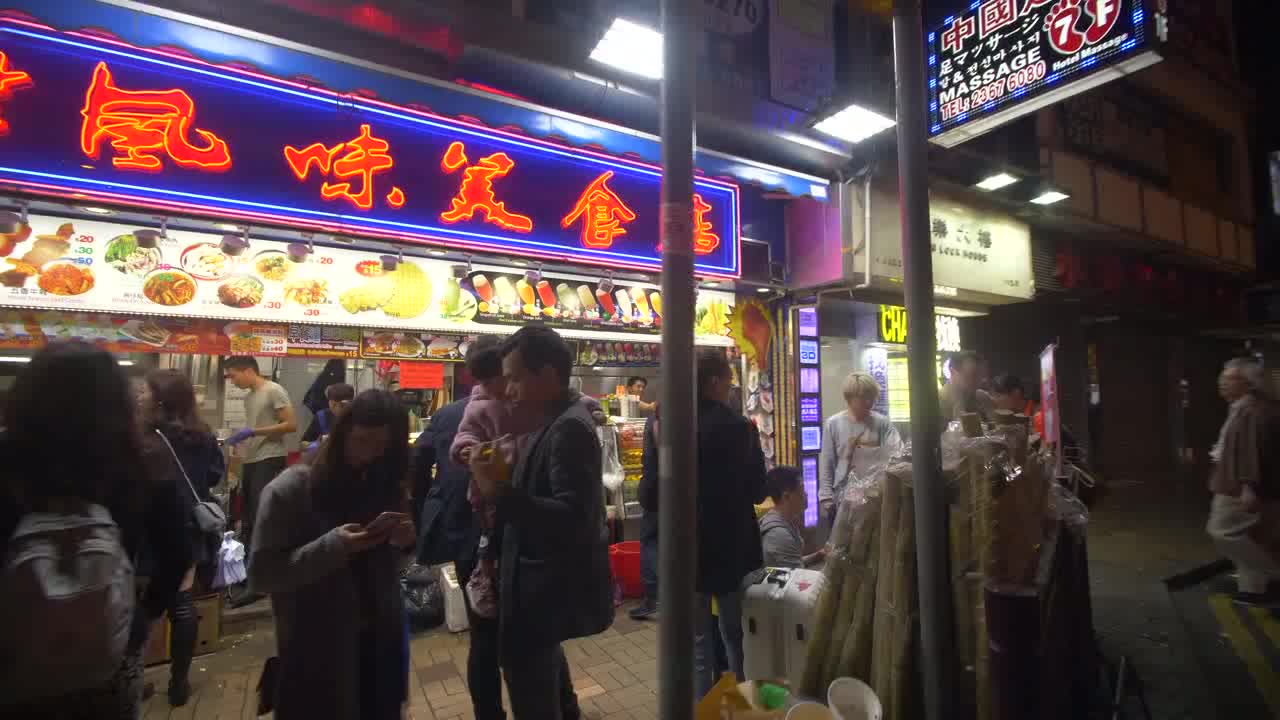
{"x":937,"y":635}
{"x":677,"y":453}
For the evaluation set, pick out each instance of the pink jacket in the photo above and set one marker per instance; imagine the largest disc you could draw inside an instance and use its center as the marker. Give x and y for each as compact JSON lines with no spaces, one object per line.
{"x":485,"y":419}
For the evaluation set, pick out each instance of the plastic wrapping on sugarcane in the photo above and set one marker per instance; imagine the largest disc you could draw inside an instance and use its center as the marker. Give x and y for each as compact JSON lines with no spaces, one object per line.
{"x":1066,"y":507}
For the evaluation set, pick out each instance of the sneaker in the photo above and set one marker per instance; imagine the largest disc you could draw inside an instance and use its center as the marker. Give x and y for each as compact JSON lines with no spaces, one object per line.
{"x":646,"y":610}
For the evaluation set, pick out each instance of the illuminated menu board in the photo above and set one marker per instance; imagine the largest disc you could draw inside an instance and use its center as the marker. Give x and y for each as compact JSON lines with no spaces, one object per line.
{"x":809,"y":407}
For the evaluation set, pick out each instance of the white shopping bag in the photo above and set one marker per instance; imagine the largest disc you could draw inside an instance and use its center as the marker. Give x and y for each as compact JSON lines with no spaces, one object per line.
{"x":231,"y":570}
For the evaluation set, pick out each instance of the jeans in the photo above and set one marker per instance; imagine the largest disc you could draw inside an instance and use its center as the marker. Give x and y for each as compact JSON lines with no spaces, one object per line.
{"x":704,"y":641}
{"x":484,"y":676}
{"x":183,"y":626}
{"x":253,"y":477}
{"x":649,"y":555}
{"x":539,"y":685}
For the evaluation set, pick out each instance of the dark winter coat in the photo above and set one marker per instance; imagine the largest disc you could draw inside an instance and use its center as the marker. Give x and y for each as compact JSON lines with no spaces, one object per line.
{"x":444,"y":520}
{"x":730,"y":483}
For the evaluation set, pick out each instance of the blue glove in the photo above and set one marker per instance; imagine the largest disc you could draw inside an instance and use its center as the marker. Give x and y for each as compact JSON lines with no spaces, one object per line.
{"x":240,"y":436}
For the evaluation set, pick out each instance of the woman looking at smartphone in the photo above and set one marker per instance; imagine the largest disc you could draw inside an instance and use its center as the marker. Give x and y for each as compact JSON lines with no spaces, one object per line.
{"x":328,"y":545}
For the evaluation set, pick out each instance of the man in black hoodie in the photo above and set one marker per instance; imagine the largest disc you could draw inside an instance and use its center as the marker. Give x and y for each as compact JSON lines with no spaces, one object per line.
{"x":731,"y":481}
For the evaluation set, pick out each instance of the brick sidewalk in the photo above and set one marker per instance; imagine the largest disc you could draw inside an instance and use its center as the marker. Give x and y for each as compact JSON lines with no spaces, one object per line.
{"x":614,"y":673}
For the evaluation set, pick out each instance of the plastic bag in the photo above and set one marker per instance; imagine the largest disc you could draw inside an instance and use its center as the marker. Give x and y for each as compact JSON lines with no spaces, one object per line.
{"x":424,"y":603}
{"x":418,"y":575}
{"x":1065,"y":506}
{"x":231,"y":568}
{"x":613,"y":473}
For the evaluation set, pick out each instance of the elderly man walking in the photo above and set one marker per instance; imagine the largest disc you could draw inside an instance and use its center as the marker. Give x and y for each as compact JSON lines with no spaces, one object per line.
{"x":1243,"y":517}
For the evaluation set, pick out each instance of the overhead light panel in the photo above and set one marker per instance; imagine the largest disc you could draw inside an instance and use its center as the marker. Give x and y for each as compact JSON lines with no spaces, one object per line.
{"x":1049,"y":197}
{"x":997,"y":181}
{"x":96,"y":210}
{"x":854,"y":124}
{"x":631,"y":47}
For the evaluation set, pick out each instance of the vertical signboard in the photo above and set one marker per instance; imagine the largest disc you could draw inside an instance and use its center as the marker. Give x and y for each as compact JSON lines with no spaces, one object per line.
{"x":809,"y":405}
{"x":1002,"y":59}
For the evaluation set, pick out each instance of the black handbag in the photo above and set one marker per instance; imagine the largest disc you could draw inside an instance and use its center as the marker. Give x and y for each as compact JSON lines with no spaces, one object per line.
{"x":208,"y":515}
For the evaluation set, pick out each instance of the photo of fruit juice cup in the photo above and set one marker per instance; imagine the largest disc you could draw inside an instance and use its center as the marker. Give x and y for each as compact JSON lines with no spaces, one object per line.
{"x":546,"y":294}
{"x":655,"y":300}
{"x":624,"y":305}
{"x":606,"y":302}
{"x":526,"y":291}
{"x":642,"y":302}
{"x":588,"y":300}
{"x":568,"y":298}
{"x":483,"y":288}
{"x":506,"y":292}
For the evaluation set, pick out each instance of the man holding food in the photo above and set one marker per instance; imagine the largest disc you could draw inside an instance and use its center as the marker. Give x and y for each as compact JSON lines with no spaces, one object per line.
{"x":269,"y":414}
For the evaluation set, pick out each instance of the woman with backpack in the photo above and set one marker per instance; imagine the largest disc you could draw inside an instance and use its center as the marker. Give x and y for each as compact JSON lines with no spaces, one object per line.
{"x":330,"y":540}
{"x":174,"y":430}
{"x":79,"y":501}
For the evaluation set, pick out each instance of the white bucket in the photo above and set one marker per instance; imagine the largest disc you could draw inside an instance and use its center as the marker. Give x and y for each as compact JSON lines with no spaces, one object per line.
{"x":852,"y":699}
{"x":809,"y":711}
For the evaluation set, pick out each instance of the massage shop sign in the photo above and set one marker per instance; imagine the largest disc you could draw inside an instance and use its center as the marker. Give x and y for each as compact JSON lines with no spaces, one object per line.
{"x":1005,"y":58}
{"x":91,"y":119}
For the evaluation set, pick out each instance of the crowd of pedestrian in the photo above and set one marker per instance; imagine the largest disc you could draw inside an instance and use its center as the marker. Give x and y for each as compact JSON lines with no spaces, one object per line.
{"x":505,"y":484}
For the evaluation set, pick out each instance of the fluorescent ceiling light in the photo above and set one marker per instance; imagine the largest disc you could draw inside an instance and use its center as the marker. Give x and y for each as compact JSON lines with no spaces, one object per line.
{"x":762,"y":290}
{"x":997,"y":181}
{"x":96,"y":210}
{"x":632,"y":48}
{"x":854,"y":124}
{"x":228,"y":227}
{"x":1049,"y":197}
{"x":12,"y":359}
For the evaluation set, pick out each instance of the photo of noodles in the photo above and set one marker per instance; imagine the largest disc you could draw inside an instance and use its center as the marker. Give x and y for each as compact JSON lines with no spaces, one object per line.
{"x":66,"y":279}
{"x":271,"y":265}
{"x":169,"y":287}
{"x":241,"y":291}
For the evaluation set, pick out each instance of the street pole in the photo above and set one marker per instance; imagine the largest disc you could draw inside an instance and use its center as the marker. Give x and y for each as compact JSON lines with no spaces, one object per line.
{"x":677,"y":450}
{"x":937,"y":636}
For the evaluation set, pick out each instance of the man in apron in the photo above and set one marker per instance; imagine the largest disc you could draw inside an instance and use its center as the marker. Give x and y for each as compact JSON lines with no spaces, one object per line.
{"x":854,"y":442}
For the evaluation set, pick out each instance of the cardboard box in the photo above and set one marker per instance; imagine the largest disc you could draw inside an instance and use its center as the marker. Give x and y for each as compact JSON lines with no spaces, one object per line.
{"x":209,"y":618}
{"x":157,"y":648}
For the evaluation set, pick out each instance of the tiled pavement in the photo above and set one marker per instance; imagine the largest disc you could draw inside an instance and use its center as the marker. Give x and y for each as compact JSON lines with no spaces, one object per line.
{"x":614,"y":673}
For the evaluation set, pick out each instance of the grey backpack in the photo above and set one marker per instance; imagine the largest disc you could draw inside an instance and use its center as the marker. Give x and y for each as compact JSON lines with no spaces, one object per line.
{"x":66,"y":604}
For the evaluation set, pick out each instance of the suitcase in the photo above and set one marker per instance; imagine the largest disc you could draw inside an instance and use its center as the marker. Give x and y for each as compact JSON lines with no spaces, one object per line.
{"x":777,"y":619}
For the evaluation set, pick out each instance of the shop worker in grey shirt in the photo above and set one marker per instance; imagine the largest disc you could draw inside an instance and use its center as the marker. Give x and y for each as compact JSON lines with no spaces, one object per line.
{"x":780,"y":527}
{"x":269,"y":416}
{"x":854,"y":440}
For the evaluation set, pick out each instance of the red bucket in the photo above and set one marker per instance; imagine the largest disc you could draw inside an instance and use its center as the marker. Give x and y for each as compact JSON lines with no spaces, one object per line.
{"x":624,"y":560}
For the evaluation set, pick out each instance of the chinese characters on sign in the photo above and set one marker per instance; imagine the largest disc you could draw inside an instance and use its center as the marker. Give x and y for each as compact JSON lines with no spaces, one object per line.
{"x":311,"y":159}
{"x":1002,"y":52}
{"x":142,"y":124}
{"x":10,"y":80}
{"x":364,"y":157}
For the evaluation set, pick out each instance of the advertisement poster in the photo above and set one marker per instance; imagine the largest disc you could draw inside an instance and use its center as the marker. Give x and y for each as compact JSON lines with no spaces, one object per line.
{"x":81,"y":265}
{"x":1049,"y":402}
{"x":618,"y":354}
{"x":421,"y":375}
{"x":321,"y":341}
{"x":384,"y":345}
{"x":34,"y":330}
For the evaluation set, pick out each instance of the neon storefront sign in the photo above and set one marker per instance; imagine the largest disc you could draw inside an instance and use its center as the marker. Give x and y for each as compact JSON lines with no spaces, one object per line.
{"x":165,"y":130}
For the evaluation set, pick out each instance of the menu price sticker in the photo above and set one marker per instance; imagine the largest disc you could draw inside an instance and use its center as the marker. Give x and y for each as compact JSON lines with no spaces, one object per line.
{"x":421,"y":375}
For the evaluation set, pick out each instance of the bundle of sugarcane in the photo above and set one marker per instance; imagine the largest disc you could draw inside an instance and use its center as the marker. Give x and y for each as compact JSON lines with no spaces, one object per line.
{"x":811,"y":683}
{"x":1018,"y":509}
{"x":855,"y":579}
{"x":882,"y":624}
{"x":903,"y":577}
{"x":855,"y":657}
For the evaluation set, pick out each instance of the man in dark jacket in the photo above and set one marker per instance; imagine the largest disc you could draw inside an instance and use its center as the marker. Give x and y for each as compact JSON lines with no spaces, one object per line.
{"x":648,"y":608}
{"x":444,"y":520}
{"x":731,"y":481}
{"x":554,"y":581}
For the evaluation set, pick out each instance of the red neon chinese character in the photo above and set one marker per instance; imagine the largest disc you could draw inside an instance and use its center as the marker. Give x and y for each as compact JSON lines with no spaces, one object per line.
{"x":704,"y":241}
{"x":602,"y":213}
{"x":364,"y":157}
{"x":144,"y":123}
{"x":995,"y":14}
{"x":953,"y":37}
{"x":476,"y":192}
{"x":10,"y":80}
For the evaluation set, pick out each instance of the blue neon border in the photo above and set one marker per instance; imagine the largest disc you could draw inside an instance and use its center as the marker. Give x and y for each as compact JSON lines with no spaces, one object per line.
{"x":1088,"y":66}
{"x":355,"y":222}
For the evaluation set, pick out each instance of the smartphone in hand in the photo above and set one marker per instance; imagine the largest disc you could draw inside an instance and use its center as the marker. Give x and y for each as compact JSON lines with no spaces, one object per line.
{"x":384,"y":522}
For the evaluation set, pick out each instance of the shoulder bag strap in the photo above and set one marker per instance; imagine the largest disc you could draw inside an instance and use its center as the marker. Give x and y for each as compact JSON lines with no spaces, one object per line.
{"x":178,"y":462}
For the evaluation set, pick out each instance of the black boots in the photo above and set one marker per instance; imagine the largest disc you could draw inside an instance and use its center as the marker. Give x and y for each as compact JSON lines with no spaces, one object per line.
{"x":182,"y":646}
